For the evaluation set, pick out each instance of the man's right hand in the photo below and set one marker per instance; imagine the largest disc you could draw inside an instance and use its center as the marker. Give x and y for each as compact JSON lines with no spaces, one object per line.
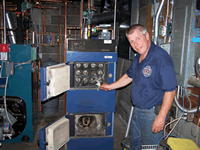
{"x":105,"y":87}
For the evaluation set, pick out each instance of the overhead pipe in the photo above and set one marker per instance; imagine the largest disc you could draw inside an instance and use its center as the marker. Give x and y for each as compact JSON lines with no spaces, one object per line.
{"x":157,"y":22}
{"x":81,"y":19}
{"x":115,"y":13}
{"x":1,"y":12}
{"x":9,"y":24}
{"x":61,"y":34}
{"x":4,"y":21}
{"x":58,"y":38}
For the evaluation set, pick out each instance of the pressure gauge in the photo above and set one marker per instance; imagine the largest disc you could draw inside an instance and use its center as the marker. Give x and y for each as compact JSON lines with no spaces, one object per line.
{"x":100,"y":65}
{"x":85,"y":65}
{"x":78,"y":65}
{"x":78,"y":72}
{"x":93,"y":65}
{"x":85,"y":72}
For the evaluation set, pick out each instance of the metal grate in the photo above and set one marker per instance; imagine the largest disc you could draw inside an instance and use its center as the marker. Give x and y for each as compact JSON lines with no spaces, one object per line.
{"x":149,"y":147}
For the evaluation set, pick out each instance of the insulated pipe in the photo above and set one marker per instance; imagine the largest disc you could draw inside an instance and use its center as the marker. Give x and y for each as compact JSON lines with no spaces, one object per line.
{"x":157,"y":21}
{"x":193,"y":81}
{"x":193,"y":110}
{"x":4,"y":21}
{"x":9,"y":24}
{"x":115,"y":11}
{"x":107,"y":17}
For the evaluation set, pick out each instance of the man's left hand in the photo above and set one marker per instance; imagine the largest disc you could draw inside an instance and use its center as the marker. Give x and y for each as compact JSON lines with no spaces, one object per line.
{"x":158,"y":124}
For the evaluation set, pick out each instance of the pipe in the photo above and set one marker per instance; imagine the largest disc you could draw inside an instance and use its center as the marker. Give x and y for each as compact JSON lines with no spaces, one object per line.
{"x":42,"y":25}
{"x":115,"y":11}
{"x":4,"y":21}
{"x":81,"y":32}
{"x":75,"y":17}
{"x":61,"y":34}
{"x":157,"y":21}
{"x":65,"y":51}
{"x":58,"y":38}
{"x":1,"y":12}
{"x":9,"y":24}
{"x":193,"y":81}
{"x":166,"y":20}
{"x":44,"y":21}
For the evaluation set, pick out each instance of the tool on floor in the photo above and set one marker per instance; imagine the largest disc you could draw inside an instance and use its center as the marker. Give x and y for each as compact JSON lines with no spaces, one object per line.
{"x":125,"y":142}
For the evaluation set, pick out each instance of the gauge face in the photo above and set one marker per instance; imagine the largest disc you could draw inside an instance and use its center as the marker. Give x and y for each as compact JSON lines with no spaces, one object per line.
{"x":78,"y":65}
{"x":93,"y":65}
{"x":85,"y":65}
{"x":78,"y":72}
{"x":100,"y":65}
{"x":85,"y":72}
{"x":100,"y":72}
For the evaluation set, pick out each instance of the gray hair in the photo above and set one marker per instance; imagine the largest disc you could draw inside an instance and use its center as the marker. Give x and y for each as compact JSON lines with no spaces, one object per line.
{"x":132,"y":28}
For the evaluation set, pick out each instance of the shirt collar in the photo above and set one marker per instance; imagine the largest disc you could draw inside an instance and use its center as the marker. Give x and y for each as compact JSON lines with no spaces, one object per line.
{"x":151,"y":49}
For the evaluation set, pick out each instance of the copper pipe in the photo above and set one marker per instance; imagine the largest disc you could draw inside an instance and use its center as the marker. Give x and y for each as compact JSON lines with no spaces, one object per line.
{"x":81,"y":19}
{"x":1,"y":10}
{"x":60,"y":34}
{"x":42,"y":25}
{"x":27,"y":35}
{"x":75,"y":17}
{"x":88,"y":4}
{"x":11,"y":9}
{"x":58,"y":38}
{"x":34,"y":88}
{"x":44,"y":20}
{"x":40,"y":107}
{"x":47,"y":7}
{"x":73,"y":28}
{"x":65,"y":52}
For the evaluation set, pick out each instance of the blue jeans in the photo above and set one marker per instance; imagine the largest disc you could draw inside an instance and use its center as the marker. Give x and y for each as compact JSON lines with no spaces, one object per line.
{"x":141,"y":129}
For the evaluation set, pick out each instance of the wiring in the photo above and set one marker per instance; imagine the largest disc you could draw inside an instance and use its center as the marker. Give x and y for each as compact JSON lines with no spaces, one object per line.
{"x":23,"y":63}
{"x":5,"y":105}
{"x":197,"y":131}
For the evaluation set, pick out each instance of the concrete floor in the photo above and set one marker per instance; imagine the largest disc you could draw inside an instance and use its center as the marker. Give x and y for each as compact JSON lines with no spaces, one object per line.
{"x":40,"y":121}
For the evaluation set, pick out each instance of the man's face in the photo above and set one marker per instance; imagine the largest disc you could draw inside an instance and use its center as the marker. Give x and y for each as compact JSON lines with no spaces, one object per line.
{"x":139,"y":42}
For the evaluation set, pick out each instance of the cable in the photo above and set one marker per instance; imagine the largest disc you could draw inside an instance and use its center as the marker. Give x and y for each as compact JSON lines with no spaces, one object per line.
{"x":174,"y":126}
{"x":197,"y":132}
{"x":23,"y":63}
{"x":1,"y":68}
{"x":5,"y":105}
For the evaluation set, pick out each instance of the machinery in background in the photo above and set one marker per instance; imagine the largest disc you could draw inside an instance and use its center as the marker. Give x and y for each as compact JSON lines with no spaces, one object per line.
{"x":88,"y":123}
{"x":16,"y":93}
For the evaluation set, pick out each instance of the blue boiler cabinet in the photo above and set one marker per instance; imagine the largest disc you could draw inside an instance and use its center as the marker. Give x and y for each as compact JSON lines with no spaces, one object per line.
{"x":89,"y":121}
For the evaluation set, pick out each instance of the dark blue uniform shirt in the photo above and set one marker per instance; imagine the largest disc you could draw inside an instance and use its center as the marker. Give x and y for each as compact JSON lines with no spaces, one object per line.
{"x":152,"y":77}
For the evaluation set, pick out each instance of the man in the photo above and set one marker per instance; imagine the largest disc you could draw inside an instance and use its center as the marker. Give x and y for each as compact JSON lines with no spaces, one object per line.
{"x":153,"y":83}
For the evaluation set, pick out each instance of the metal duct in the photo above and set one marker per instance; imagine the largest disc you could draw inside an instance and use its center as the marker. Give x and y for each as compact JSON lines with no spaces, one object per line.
{"x":107,"y":17}
{"x":10,"y":25}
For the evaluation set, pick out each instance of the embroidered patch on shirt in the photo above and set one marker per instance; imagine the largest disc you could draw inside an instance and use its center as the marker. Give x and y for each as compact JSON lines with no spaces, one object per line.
{"x":147,"y":71}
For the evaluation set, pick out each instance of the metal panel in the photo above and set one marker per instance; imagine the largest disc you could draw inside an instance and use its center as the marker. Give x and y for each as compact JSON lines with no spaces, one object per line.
{"x":183,"y":16}
{"x":93,"y":101}
{"x":91,"y":56}
{"x":20,"y":85}
{"x":55,"y":80}
{"x":105,"y":143}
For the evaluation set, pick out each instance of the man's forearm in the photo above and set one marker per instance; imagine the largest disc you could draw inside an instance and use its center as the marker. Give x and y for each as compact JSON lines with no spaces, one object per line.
{"x":123,"y":81}
{"x":167,"y":103}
